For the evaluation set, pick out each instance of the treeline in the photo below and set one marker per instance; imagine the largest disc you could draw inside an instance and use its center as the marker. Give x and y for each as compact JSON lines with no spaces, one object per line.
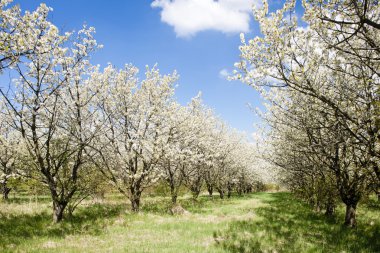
{"x":321,"y":81}
{"x":70,"y":126}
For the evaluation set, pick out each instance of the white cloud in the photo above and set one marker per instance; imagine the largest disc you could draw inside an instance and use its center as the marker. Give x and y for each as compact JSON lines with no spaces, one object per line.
{"x":224,"y":74}
{"x":189,"y":17}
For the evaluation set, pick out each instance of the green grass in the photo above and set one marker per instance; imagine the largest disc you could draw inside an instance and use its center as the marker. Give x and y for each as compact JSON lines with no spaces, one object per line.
{"x":261,"y":222}
{"x":288,"y":225}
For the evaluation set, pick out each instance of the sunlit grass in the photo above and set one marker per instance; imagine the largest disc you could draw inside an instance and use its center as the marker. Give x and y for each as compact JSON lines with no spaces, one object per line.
{"x":262,"y":222}
{"x":288,"y":225}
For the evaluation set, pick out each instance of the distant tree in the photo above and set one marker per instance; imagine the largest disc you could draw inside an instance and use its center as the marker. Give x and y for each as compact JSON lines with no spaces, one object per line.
{"x":186,"y":129}
{"x":134,"y":115}
{"x":9,"y":153}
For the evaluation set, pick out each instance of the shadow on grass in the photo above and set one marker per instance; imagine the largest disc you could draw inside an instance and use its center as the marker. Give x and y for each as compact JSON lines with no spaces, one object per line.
{"x":17,"y":229}
{"x":288,"y":225}
{"x":205,"y":204}
{"x":373,"y":204}
{"x":23,"y":199}
{"x":202,"y":205}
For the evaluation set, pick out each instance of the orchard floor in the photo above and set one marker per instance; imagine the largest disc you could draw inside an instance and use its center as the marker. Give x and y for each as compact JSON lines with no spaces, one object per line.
{"x":260,"y":222}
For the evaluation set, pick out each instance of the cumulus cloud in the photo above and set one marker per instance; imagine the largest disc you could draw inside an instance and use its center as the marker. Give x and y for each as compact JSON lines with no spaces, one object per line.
{"x":189,"y":17}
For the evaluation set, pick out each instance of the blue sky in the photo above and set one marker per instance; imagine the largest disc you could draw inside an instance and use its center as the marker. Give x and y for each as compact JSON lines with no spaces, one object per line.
{"x":132,"y":31}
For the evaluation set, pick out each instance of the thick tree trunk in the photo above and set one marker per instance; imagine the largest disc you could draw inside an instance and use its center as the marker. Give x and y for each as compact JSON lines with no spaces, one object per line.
{"x":229,"y":193}
{"x":60,"y":201}
{"x":195,"y":193}
{"x":350,"y":193}
{"x":6,"y":191}
{"x":173,"y":193}
{"x":330,"y":207}
{"x":196,"y":190}
{"x":134,"y":197}
{"x":350,"y":218}
{"x":135,"y":202}
{"x":229,"y":190}
{"x":61,"y":193}
{"x":209,"y":184}
{"x":239,"y":191}
{"x":210,"y":191}
{"x":174,"y":199}
{"x":58,"y":209}
{"x":221,"y":194}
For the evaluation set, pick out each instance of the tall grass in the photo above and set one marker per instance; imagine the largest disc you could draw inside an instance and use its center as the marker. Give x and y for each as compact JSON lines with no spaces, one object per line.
{"x":288,"y":225}
{"x":261,"y":222}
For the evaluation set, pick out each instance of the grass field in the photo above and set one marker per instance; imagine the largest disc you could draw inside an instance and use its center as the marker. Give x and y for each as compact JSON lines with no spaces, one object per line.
{"x":261,"y":222}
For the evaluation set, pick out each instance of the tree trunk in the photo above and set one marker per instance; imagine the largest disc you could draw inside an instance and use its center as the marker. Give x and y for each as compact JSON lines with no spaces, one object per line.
{"x":350,"y":194}
{"x":134,"y":197}
{"x":350,"y":219}
{"x":174,"y":199}
{"x":6,"y":191}
{"x":209,"y":184}
{"x":60,"y":200}
{"x":196,"y":193}
{"x":58,"y":209}
{"x":229,"y":193}
{"x":173,"y":193}
{"x":229,"y":190}
{"x":330,"y":210}
{"x":330,"y":207}
{"x":210,"y":191}
{"x":221,"y":194}
{"x":196,"y":190}
{"x":135,"y":202}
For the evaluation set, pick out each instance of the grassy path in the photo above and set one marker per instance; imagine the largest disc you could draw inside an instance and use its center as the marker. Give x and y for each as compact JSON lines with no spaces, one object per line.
{"x":288,"y":225}
{"x":262,"y":222}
